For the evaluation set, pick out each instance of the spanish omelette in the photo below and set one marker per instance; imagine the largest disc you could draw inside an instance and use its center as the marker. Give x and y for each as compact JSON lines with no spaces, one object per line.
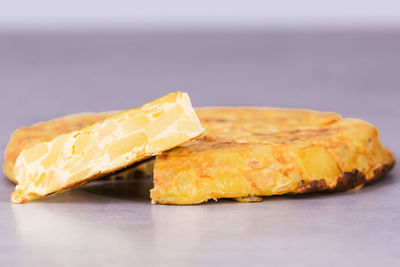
{"x":247,"y":153}
{"x":52,"y":156}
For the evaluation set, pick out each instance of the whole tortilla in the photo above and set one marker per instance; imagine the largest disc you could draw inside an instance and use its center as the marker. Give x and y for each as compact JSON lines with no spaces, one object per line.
{"x":247,"y":153}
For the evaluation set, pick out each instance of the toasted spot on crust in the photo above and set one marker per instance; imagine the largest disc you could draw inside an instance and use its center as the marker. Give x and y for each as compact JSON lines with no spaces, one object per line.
{"x":349,"y":180}
{"x":346,"y":181}
{"x":312,"y":186}
{"x":380,"y":171}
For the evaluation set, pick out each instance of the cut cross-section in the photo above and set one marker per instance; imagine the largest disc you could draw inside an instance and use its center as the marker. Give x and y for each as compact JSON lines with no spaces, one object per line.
{"x":41,"y":168}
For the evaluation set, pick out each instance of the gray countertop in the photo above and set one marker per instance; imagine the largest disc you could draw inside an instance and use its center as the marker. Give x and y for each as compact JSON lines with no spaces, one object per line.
{"x":46,"y":75}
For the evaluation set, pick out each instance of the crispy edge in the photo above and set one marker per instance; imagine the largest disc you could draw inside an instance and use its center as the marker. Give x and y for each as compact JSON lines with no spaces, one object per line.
{"x":348,"y":180}
{"x":352,"y":180}
{"x":380,"y":171}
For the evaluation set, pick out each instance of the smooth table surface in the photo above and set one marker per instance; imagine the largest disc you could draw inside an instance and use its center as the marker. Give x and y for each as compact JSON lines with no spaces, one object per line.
{"x":112,"y":223}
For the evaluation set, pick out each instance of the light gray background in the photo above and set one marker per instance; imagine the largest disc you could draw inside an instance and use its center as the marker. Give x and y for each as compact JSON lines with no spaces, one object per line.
{"x":156,"y":14}
{"x":46,"y":75}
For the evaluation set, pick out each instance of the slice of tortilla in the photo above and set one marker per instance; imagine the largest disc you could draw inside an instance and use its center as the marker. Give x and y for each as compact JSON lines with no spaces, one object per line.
{"x":52,"y":156}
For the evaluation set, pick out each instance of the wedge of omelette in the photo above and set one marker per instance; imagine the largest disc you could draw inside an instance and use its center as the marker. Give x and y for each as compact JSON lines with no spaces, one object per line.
{"x":52,"y":156}
{"x":246,"y":153}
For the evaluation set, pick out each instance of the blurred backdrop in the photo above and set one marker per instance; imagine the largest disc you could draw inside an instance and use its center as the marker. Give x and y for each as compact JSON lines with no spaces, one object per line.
{"x":211,"y":14}
{"x":62,"y":57}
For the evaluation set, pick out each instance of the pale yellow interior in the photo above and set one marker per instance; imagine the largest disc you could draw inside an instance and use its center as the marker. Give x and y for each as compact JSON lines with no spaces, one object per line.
{"x":102,"y":147}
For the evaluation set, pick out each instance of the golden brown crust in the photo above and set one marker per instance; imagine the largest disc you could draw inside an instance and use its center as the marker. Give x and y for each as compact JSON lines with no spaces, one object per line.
{"x":345,"y":182}
{"x":263,"y":152}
